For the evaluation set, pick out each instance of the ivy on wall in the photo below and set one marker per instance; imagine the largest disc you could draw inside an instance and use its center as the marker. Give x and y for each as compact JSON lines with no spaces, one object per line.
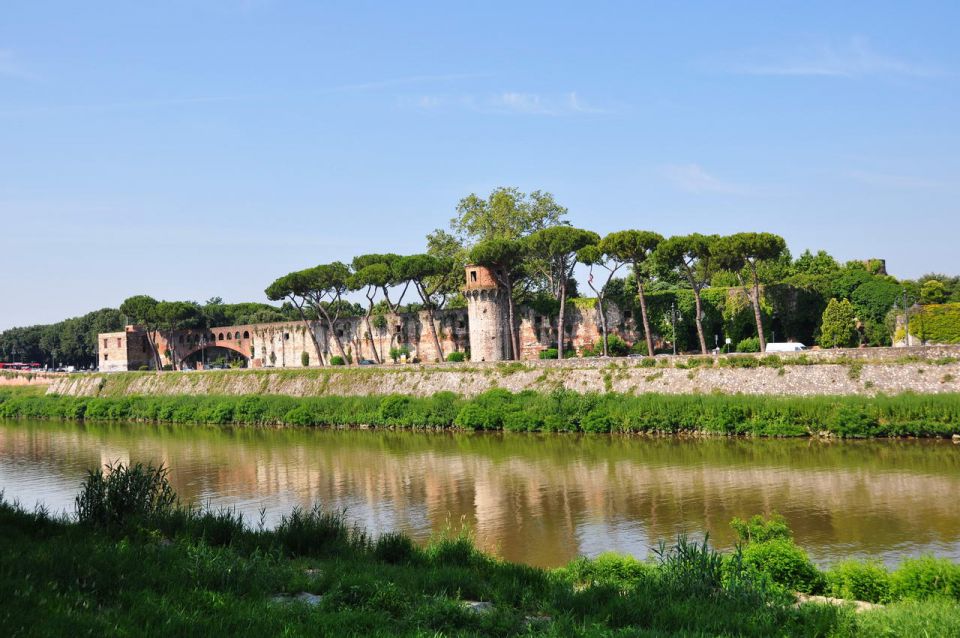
{"x":937,"y":323}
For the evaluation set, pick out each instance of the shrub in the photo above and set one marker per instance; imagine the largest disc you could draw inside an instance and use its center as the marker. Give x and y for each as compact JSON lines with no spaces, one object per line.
{"x":125,"y":495}
{"x":305,"y":359}
{"x":477,"y":417}
{"x":393,"y":407}
{"x":457,"y":357}
{"x":926,"y":577}
{"x":616,"y":347}
{"x":838,"y":326}
{"x":852,"y":421}
{"x":317,"y":532}
{"x":858,"y":580}
{"x":620,"y":571}
{"x":750,"y":344}
{"x":395,"y":548}
{"x":337,"y":360}
{"x":785,"y":564}
{"x":397,"y":352}
{"x":549,"y":353}
{"x":640,"y":347}
{"x":596,"y":421}
{"x":522,"y":421}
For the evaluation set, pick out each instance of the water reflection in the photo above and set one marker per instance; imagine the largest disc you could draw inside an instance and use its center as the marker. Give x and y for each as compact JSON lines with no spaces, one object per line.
{"x":537,"y":499}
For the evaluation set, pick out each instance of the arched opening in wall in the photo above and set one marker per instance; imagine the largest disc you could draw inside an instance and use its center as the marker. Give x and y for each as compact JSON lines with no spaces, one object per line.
{"x":286,"y":336}
{"x":220,"y":337}
{"x":213,"y":357}
{"x":229,"y":335}
{"x":246,"y":334}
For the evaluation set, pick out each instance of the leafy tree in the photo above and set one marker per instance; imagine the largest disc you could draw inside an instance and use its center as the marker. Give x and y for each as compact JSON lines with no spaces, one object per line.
{"x":429,"y":276}
{"x":933,"y":291}
{"x":373,"y":274}
{"x":839,"y":326}
{"x":295,"y":288}
{"x":505,"y":259}
{"x":170,"y":316}
{"x":693,"y":256}
{"x":506,"y":213}
{"x":556,"y":249}
{"x":635,"y":247}
{"x":749,"y":251}
{"x":141,"y":310}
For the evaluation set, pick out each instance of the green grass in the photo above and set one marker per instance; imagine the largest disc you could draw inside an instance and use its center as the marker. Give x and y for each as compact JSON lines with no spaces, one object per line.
{"x":168,"y":570}
{"x":935,"y":415}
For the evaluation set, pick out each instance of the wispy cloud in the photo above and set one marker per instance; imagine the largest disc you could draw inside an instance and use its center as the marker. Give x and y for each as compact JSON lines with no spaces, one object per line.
{"x":694,"y":179}
{"x":852,"y":58}
{"x":10,"y":66}
{"x":893,"y":180}
{"x":510,"y":103}
{"x":360,"y":87}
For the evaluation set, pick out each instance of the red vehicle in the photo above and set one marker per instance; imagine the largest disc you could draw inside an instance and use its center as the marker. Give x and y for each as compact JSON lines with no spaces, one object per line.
{"x":17,"y":365}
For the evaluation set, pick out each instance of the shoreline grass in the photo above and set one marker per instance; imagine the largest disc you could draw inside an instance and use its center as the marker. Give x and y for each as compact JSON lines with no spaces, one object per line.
{"x":903,"y":415}
{"x":134,"y":561}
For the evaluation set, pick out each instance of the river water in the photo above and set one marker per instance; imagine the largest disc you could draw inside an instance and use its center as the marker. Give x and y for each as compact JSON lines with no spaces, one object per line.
{"x":539,"y":499}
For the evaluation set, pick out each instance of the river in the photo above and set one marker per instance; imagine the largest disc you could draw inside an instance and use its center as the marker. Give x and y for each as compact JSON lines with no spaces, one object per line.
{"x":538,"y":499}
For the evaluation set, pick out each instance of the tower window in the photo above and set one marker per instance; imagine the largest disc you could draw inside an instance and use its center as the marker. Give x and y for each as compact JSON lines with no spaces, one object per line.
{"x":473,"y":275}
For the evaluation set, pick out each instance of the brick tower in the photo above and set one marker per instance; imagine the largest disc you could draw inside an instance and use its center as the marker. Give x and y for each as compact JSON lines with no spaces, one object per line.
{"x":487,"y":313}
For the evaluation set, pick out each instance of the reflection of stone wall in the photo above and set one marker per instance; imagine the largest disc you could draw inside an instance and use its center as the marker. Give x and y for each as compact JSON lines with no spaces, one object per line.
{"x":538,"y":499}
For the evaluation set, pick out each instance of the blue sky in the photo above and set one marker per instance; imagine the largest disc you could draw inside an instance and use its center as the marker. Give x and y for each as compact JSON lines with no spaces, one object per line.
{"x":192,"y":149}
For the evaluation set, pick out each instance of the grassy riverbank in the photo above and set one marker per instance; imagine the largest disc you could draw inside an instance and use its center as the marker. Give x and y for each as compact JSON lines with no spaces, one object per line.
{"x":558,"y":411}
{"x":134,"y":562}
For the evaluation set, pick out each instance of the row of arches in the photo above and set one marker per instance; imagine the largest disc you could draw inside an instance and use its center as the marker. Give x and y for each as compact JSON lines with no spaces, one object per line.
{"x":210,"y":338}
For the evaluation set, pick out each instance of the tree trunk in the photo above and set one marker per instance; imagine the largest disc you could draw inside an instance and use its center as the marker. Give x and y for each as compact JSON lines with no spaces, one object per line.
{"x":646,"y":320}
{"x":313,"y":337}
{"x":560,"y":330}
{"x":373,"y":344}
{"x":514,"y":337}
{"x":755,"y":300}
{"x":433,"y":332}
{"x":333,"y":331}
{"x":603,"y":326}
{"x":699,"y":322}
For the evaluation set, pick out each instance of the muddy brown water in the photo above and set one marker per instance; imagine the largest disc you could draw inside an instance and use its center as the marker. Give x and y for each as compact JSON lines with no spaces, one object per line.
{"x":539,"y":499}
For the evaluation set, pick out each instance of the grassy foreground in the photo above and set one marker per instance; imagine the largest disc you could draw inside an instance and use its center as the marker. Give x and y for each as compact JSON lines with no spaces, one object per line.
{"x":134,"y":562}
{"x":936,"y":415}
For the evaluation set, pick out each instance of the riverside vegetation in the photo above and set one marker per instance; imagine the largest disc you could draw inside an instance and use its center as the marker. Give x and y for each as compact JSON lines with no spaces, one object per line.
{"x":498,"y":409}
{"x":133,"y":560}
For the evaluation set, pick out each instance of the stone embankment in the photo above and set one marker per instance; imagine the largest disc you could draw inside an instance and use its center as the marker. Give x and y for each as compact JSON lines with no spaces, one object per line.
{"x":846,"y":372}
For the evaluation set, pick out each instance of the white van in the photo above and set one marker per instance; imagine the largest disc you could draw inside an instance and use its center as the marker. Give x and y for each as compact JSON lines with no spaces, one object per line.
{"x":790,"y":346}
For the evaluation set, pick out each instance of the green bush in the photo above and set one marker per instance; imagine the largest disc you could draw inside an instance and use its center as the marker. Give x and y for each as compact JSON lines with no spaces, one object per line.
{"x":925,"y":577}
{"x":549,"y":353}
{"x":938,"y":323}
{"x":457,"y":357}
{"x":305,"y":359}
{"x":337,"y":360}
{"x":857,"y":580}
{"x":785,"y":563}
{"x":596,"y":421}
{"x":640,"y":347}
{"x":750,"y":344}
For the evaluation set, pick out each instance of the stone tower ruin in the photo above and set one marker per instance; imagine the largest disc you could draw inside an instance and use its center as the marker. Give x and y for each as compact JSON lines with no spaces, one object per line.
{"x":488,"y":316}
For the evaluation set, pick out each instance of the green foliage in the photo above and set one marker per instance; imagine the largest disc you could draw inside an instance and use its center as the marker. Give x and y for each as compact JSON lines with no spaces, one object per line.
{"x":926,"y":577}
{"x":933,"y":292}
{"x":124,"y":496}
{"x":337,"y":360}
{"x":750,"y":344}
{"x":305,"y":358}
{"x":937,"y":323}
{"x":457,"y":357}
{"x":838,"y":328}
{"x":785,"y":563}
{"x":397,"y":352}
{"x":856,"y":580}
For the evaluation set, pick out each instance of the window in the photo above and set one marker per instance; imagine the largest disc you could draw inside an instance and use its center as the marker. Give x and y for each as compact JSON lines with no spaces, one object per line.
{"x":105,"y":356}
{"x":473,"y":275}
{"x":246,"y":334}
{"x":105,"y":344}
{"x":229,"y":335}
{"x":286,"y":336}
{"x":118,"y":342}
{"x":220,"y":337}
